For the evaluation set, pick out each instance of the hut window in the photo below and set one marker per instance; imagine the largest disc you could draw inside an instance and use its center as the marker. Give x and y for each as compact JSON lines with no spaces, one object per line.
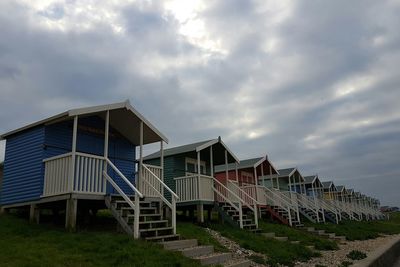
{"x":191,"y":166}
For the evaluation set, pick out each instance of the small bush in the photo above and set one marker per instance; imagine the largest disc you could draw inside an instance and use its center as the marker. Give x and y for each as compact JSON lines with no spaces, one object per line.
{"x":345,"y":264}
{"x":257,"y":259}
{"x":356,"y":255}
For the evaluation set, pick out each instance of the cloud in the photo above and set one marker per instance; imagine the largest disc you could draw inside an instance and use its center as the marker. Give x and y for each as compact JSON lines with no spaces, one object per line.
{"x":314,"y":85}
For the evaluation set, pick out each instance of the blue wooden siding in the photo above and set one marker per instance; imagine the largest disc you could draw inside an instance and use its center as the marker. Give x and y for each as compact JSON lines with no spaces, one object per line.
{"x":25,"y":151}
{"x":23,"y":171}
{"x":120,"y":151}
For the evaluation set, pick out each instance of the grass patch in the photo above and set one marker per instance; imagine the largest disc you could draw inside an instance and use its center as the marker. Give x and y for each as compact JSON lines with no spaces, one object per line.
{"x":305,"y":238}
{"x":24,"y":244}
{"x":356,"y":255}
{"x":192,"y":231}
{"x":277,"y":252}
{"x":354,"y":230}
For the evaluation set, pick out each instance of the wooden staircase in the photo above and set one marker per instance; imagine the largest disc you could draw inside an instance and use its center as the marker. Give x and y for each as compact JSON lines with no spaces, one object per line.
{"x":232,"y":216}
{"x":152,"y":224}
{"x":309,"y":214}
{"x":282,"y":215}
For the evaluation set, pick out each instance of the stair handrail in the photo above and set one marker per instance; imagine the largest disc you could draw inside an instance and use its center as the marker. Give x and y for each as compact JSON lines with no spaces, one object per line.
{"x":238,"y":208}
{"x":303,"y":199}
{"x":174,"y":196}
{"x":252,"y":206}
{"x":328,"y":206}
{"x":124,"y":178}
{"x":285,"y":204}
{"x":138,"y":195}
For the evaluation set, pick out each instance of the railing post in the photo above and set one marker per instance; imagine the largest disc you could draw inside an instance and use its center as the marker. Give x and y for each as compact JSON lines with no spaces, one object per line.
{"x":73,"y":156}
{"x":136,"y":218}
{"x":256,"y":215}
{"x":198,"y":176}
{"x":174,"y":214}
{"x":240,"y":215}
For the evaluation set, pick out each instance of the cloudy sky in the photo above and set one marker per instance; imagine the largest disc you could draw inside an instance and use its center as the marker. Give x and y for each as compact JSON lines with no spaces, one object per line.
{"x":315,"y":84}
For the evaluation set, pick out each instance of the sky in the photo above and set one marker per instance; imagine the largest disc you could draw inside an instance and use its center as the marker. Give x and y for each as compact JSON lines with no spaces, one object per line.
{"x":313,"y":84}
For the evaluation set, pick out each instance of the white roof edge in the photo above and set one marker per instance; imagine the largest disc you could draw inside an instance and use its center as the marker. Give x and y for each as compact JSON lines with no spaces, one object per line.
{"x":260,"y":161}
{"x":37,"y":123}
{"x":213,"y":142}
{"x":81,"y":111}
{"x":150,"y":125}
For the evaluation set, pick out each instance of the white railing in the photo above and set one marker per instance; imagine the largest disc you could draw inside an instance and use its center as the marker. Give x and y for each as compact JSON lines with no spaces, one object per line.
{"x":245,"y":198}
{"x":88,"y":176}
{"x":150,"y":183}
{"x":305,"y":202}
{"x":256,"y":192}
{"x":135,"y":206}
{"x":194,"y":188}
{"x":156,"y":187}
{"x":277,"y":198}
{"x":225,"y":195}
{"x":57,"y":172}
{"x":327,"y":205}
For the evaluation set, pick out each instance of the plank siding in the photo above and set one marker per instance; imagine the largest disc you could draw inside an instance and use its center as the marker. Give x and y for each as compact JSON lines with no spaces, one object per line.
{"x":23,"y":167}
{"x":120,"y":151}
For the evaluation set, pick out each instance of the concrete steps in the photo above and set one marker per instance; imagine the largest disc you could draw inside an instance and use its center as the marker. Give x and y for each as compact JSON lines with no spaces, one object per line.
{"x":205,"y":255}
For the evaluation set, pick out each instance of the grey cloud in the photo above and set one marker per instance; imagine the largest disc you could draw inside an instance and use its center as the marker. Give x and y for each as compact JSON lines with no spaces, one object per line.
{"x":286,"y":93}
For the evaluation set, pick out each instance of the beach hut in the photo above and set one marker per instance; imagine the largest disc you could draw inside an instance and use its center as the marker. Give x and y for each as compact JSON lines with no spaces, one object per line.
{"x":190,"y":171}
{"x":313,"y":186}
{"x":86,"y":159}
{"x":247,"y":174}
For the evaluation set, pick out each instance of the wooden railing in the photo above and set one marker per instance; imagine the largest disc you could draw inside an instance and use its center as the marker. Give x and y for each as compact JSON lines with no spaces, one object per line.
{"x":245,"y":198}
{"x":155,"y":187}
{"x":224,"y":195}
{"x":88,"y":176}
{"x":57,"y":175}
{"x":309,"y":204}
{"x":276,"y":198}
{"x":135,"y":206}
{"x":150,"y":182}
{"x":256,"y":192}
{"x":194,"y":188}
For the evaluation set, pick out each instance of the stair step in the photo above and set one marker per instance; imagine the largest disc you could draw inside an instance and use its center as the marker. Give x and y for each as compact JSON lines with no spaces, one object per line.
{"x":214,"y":259}
{"x":197,"y":251}
{"x":269,"y":235}
{"x":237,"y":263}
{"x":151,"y":222}
{"x":162,"y":237}
{"x":295,"y":242}
{"x":328,"y":235}
{"x":281,"y":238}
{"x":180,"y":244}
{"x":250,"y":226}
{"x":156,"y":229}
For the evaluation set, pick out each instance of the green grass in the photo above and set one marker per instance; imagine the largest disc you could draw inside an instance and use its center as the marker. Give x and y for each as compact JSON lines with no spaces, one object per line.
{"x":277,"y":252}
{"x":363,"y":230}
{"x":189,"y":230}
{"x":24,"y":244}
{"x":305,"y":238}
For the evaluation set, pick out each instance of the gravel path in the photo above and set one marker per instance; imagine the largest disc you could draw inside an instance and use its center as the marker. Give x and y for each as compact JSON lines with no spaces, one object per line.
{"x":238,"y":252}
{"x":335,"y":258}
